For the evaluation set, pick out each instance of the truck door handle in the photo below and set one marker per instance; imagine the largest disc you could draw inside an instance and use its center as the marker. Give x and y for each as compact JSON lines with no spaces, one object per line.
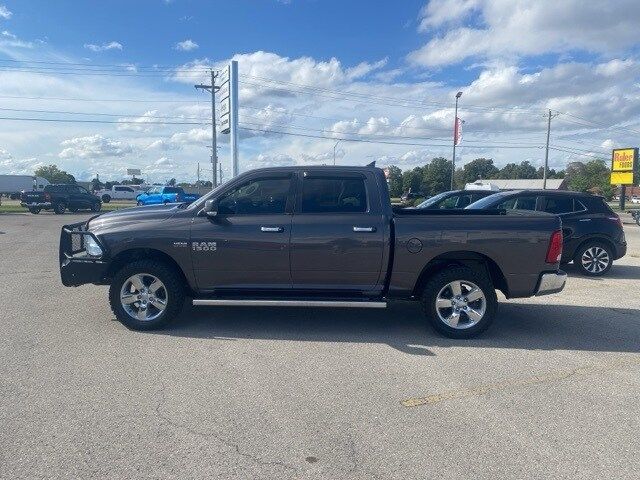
{"x":272,"y":229}
{"x":364,"y":229}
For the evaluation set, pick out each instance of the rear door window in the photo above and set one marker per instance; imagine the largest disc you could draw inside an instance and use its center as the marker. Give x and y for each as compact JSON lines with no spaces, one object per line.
{"x":334,"y":195}
{"x":558,"y":204}
{"x":519,"y":203}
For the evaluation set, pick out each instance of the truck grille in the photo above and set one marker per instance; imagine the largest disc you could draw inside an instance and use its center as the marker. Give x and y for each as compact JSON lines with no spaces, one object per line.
{"x":72,"y":239}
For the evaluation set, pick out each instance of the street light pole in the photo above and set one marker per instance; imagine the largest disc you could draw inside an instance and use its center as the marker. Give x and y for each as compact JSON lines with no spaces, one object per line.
{"x":334,"y":151}
{"x":455,"y":139}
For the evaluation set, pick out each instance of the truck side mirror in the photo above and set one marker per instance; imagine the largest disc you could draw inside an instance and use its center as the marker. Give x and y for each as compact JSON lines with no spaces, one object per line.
{"x":211,"y":208}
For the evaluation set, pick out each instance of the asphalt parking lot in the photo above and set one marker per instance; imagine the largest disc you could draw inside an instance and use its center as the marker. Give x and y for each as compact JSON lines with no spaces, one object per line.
{"x":551,"y":390}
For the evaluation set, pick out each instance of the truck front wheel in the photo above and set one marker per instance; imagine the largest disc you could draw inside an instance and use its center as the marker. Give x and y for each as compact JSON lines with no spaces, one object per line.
{"x":460,"y":302}
{"x":146,"y":294}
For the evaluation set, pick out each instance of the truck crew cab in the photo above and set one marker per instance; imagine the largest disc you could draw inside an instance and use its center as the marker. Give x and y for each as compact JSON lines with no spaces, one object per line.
{"x":313,"y":237}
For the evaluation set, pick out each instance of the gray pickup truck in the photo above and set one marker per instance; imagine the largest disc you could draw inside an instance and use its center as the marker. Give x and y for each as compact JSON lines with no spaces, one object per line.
{"x":313,"y":237}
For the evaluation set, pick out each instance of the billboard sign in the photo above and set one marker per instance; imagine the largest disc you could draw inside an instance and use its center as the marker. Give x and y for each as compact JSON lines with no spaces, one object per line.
{"x":133,"y":171}
{"x":624,"y":166}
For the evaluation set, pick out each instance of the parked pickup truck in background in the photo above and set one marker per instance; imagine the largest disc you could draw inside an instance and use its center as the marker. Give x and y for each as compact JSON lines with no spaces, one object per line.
{"x":165,"y":195}
{"x":59,"y":198}
{"x":313,"y":237}
{"x":120,"y":192}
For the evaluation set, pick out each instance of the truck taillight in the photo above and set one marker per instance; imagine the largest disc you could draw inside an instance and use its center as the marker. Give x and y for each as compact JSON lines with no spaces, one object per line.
{"x":554,"y":252}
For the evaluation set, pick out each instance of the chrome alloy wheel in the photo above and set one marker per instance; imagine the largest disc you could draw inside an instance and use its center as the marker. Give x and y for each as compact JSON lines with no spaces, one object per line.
{"x":595,"y":259}
{"x":143,"y":296}
{"x":461,"y":304}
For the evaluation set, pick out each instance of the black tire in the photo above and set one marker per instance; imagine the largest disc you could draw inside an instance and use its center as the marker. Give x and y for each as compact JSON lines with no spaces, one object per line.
{"x":73,"y":210}
{"x":106,"y":198}
{"x":638,"y":220}
{"x":173,"y":284}
{"x":95,"y":207}
{"x":593,"y":258}
{"x":35,"y":210}
{"x":467,"y":327}
{"x":60,"y":208}
{"x":139,"y":203}
{"x":166,"y":202}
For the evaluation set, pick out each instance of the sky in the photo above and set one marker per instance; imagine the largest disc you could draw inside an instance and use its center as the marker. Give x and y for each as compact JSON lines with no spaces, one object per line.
{"x":98,"y":87}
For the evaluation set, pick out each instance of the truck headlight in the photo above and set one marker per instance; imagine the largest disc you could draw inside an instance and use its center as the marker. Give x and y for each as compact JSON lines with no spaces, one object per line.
{"x":91,"y":246}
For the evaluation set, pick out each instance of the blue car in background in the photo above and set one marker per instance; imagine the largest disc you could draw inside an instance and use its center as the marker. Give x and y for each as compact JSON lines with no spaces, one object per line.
{"x":164,"y":195}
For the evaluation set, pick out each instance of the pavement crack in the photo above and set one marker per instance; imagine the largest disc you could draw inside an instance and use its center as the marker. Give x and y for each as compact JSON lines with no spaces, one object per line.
{"x":209,"y":434}
{"x":517,"y":382}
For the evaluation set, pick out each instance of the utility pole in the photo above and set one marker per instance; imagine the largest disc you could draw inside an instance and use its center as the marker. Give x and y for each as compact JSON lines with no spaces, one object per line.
{"x":214,"y":151}
{"x":198,"y":175}
{"x":455,"y":140}
{"x":546,"y":153}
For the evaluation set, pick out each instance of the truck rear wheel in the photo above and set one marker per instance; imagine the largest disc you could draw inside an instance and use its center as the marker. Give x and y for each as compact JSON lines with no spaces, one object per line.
{"x":106,"y":198}
{"x":460,"y":302}
{"x":35,"y":210}
{"x":146,"y":294}
{"x":60,"y":208}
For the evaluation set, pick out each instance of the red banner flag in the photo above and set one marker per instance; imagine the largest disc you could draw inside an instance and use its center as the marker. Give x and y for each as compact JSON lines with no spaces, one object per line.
{"x":457,"y":131}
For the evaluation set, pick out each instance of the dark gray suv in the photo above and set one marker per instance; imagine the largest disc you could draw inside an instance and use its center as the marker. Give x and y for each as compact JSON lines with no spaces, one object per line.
{"x":592,"y":232}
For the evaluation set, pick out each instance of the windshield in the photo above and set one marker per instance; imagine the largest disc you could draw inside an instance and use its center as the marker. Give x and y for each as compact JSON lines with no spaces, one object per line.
{"x":432,"y":200}
{"x":487,"y":202}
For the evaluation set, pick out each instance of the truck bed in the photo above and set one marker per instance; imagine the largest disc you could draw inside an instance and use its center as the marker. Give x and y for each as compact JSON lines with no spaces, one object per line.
{"x":422,"y":237}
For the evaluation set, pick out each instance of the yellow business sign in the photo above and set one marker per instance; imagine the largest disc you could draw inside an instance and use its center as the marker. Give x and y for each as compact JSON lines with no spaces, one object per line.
{"x":624,"y":164}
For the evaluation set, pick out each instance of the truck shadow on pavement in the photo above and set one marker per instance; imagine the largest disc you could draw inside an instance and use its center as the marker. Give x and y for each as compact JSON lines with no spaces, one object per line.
{"x":403,"y":327}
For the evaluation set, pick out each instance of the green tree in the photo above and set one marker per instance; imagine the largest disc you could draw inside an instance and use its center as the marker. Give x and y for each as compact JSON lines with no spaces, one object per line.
{"x":54,"y":175}
{"x":172,"y":182}
{"x":515,"y":171}
{"x":96,"y":184}
{"x":395,"y":181}
{"x":436,"y":176}
{"x":412,"y":180}
{"x":592,"y":176}
{"x":480,"y":168}
{"x":133,"y":181}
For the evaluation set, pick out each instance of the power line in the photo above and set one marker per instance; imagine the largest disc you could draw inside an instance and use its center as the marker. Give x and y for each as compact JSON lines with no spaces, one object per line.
{"x":131,"y":116}
{"x":626,"y":129}
{"x":371,"y":135}
{"x":364,"y":140}
{"x":365,"y":96}
{"x":71,"y":120}
{"x":72,"y":99}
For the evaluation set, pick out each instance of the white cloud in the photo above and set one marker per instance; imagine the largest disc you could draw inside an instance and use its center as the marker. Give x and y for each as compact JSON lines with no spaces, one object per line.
{"x":94,"y":146}
{"x":143,"y":123}
{"x":510,"y":28}
{"x":194,"y":136}
{"x":5,"y":13}
{"x":162,"y":144}
{"x":105,"y":46}
{"x":8,"y":39}
{"x":186,"y":45}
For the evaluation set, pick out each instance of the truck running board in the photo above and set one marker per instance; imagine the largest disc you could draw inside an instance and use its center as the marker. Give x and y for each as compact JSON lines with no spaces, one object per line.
{"x":216,"y":302}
